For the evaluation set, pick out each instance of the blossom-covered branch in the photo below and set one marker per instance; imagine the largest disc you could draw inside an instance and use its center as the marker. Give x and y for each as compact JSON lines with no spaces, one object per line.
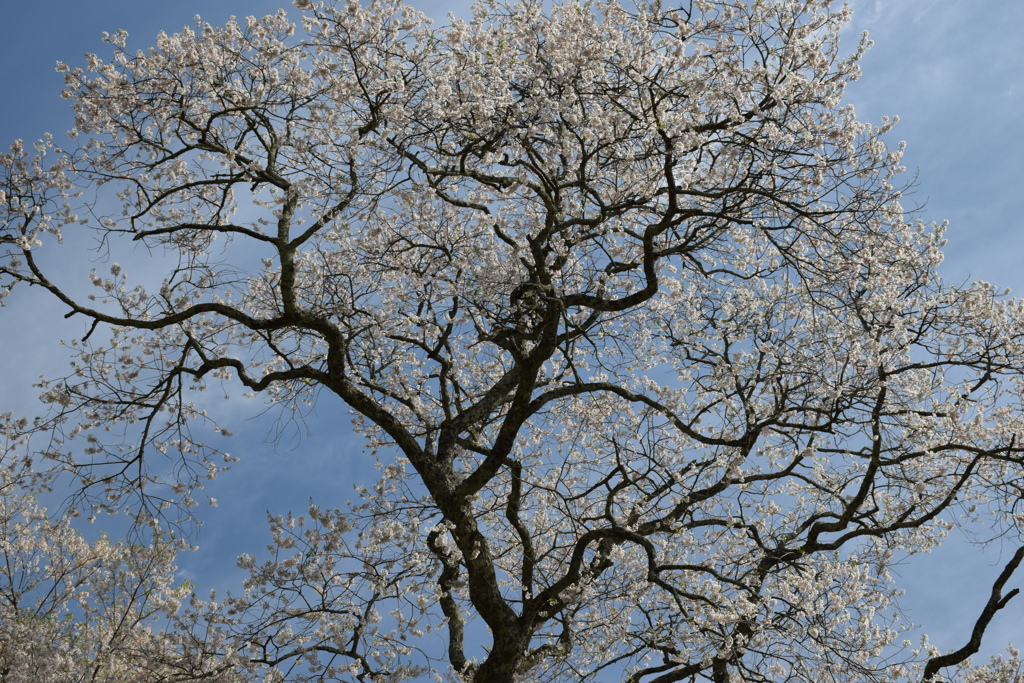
{"x":627,"y":290}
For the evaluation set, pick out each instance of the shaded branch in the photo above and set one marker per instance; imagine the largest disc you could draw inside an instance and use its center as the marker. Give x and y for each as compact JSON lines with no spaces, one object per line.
{"x":996,"y":602}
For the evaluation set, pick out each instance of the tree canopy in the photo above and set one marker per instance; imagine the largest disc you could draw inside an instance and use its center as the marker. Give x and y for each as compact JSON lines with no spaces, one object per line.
{"x":660,"y":371}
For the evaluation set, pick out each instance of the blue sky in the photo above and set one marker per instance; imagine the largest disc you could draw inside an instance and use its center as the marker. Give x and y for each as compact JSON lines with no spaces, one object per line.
{"x":951,"y":69}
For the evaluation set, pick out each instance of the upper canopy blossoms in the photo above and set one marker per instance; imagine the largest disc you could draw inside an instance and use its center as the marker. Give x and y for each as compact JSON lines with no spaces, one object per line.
{"x":629,"y":289}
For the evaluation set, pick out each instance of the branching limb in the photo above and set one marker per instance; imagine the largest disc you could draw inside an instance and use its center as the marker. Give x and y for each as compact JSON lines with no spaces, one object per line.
{"x":996,"y":602}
